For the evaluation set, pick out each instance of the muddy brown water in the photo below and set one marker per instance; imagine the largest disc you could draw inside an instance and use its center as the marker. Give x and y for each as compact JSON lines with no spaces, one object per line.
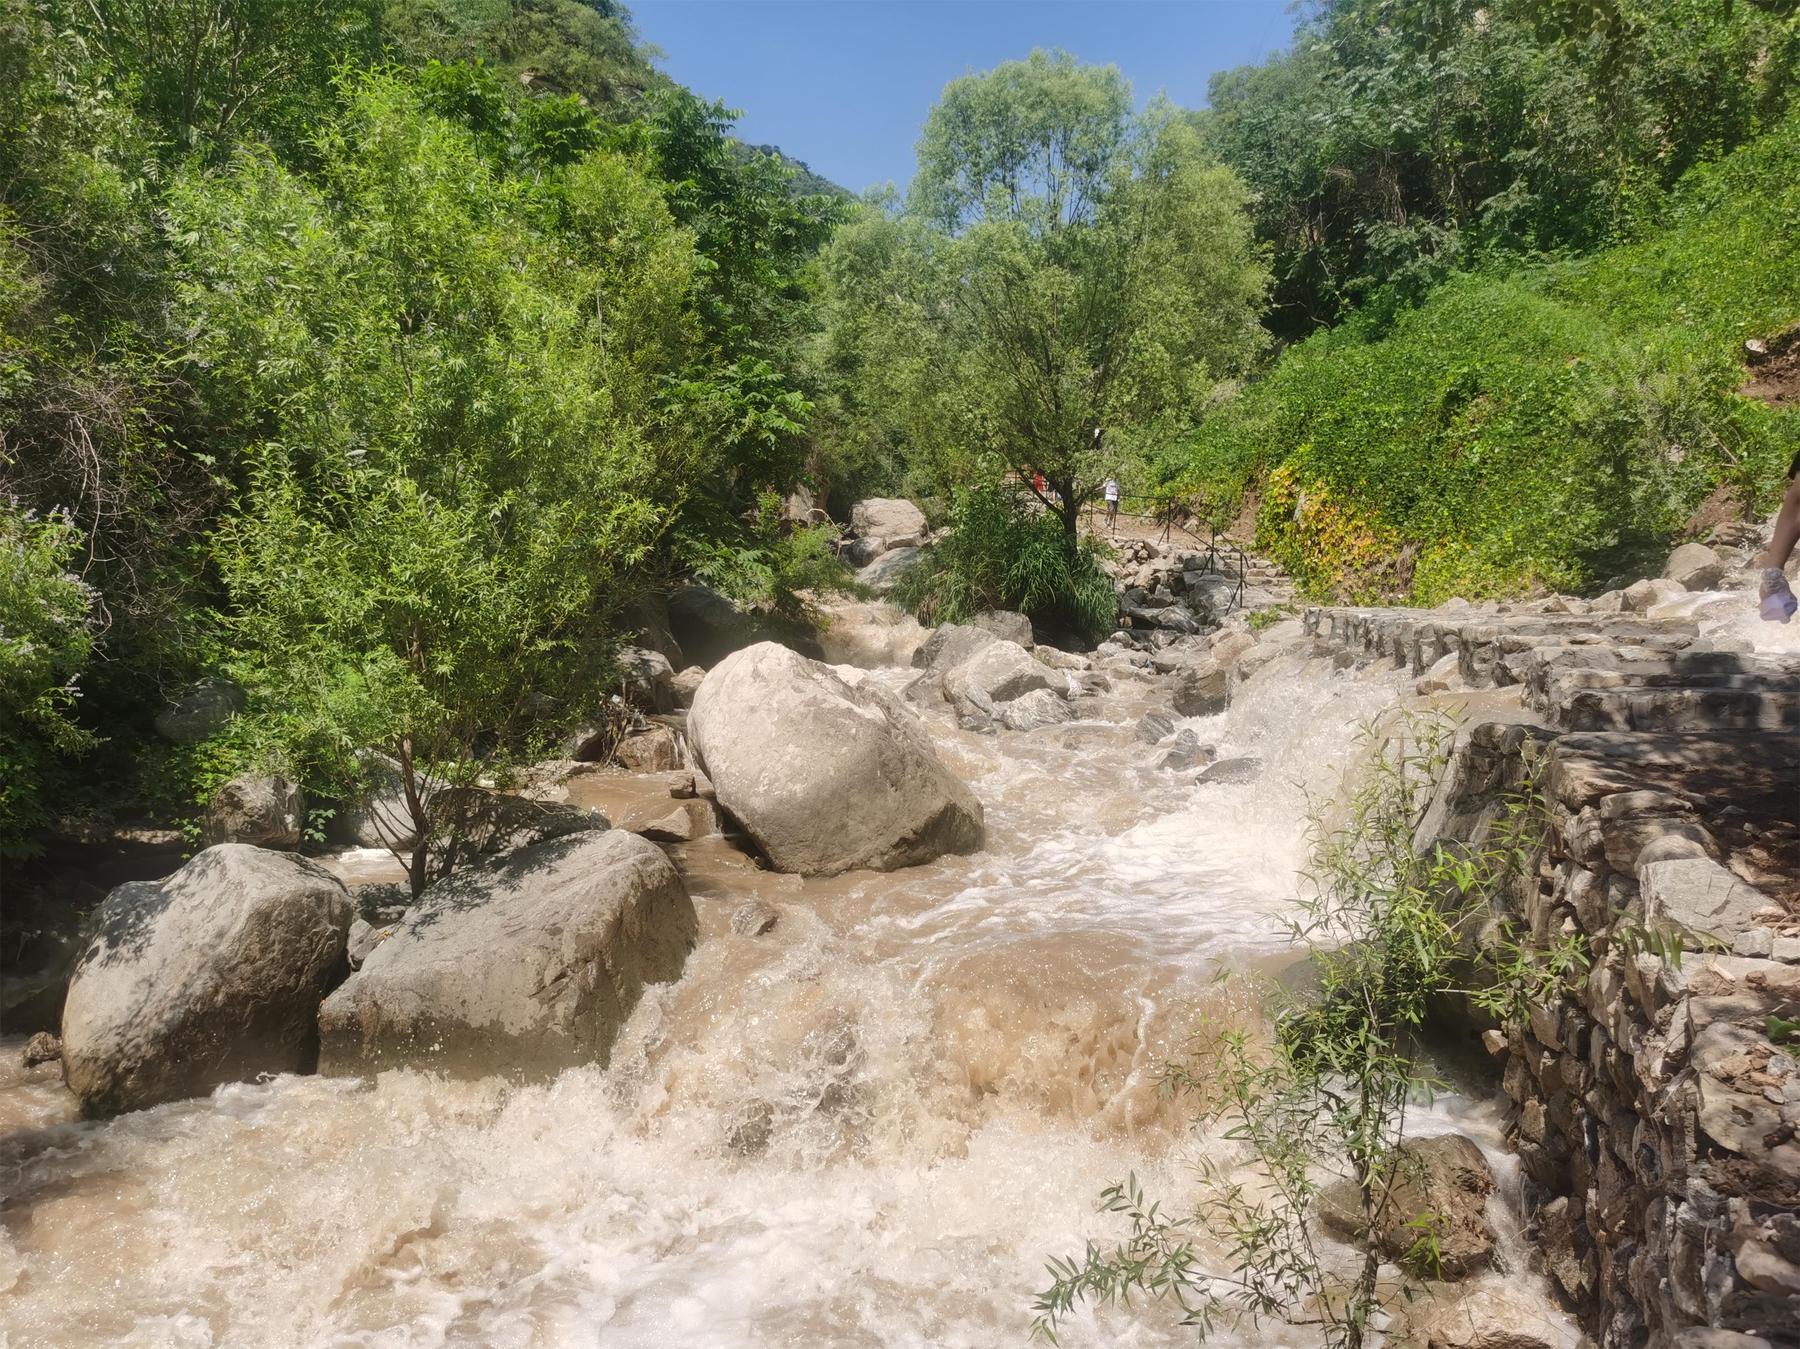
{"x":870,"y":1127}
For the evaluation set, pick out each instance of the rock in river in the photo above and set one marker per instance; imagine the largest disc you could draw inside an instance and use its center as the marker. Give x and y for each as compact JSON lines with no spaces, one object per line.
{"x":521,"y":967}
{"x":826,"y":773}
{"x":212,"y":975}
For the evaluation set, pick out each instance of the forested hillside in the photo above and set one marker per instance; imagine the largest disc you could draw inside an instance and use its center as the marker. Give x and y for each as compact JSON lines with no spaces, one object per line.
{"x":1544,"y":233}
{"x":378,"y":359}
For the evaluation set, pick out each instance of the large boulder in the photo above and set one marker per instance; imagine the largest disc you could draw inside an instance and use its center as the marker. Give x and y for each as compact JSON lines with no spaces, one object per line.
{"x":490,"y":822}
{"x":887,"y":518}
{"x":261,"y":809}
{"x":1440,"y":1188}
{"x":381,"y":817}
{"x":648,"y":677}
{"x":884,"y":572}
{"x":1002,"y":671}
{"x":826,"y":773}
{"x":1004,"y":624}
{"x":1200,"y":688}
{"x":212,"y":975}
{"x":1694,"y":566}
{"x":200,"y":711}
{"x":521,"y":967}
{"x":950,"y":645}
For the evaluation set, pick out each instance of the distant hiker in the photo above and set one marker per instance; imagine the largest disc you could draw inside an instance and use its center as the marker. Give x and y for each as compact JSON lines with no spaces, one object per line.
{"x":1037,"y":483}
{"x":1777,"y":596}
{"x":1111,"y":489}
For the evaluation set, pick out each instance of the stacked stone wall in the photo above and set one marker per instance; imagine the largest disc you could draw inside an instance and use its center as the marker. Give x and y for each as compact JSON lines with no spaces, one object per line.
{"x":1656,"y":1093}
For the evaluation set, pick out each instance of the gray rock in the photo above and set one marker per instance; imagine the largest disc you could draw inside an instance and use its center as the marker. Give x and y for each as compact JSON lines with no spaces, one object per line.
{"x":1230,"y":771}
{"x":489,"y":822}
{"x":364,"y":938}
{"x":381,"y":817}
{"x":212,"y":975}
{"x":1694,"y":566}
{"x":261,"y":809}
{"x":1696,"y":895}
{"x":1155,"y":727}
{"x":1031,"y":711}
{"x":649,"y":679}
{"x":1444,"y":675}
{"x":1006,"y":625}
{"x":1200,"y":688}
{"x":522,"y":967}
{"x":884,"y":572}
{"x":950,"y":645}
{"x":200,"y":712}
{"x":1642,"y":596}
{"x":886,"y":518}
{"x":651,"y":750}
{"x":685,"y":684}
{"x":1187,"y":752}
{"x":752,"y":918}
{"x":861,"y":552}
{"x":824,"y":772}
{"x":1440,"y":1185}
{"x":1490,"y":1315}
{"x":1002,"y":671}
{"x":675,"y":827}
{"x":41,"y":1048}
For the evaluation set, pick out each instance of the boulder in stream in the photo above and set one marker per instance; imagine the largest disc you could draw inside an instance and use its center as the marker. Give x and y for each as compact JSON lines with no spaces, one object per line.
{"x":826,"y":773}
{"x":520,"y":967}
{"x":1440,"y":1188}
{"x":212,"y":975}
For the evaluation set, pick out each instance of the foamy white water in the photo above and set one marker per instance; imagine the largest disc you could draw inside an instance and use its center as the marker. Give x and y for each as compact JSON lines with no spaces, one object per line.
{"x":870,"y":1127}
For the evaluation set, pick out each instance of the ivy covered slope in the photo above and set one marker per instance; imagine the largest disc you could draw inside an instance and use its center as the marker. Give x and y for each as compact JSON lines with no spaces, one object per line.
{"x":1532,"y":426}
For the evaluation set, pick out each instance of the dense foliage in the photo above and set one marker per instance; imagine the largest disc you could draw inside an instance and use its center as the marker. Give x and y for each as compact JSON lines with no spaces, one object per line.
{"x":1066,"y":283}
{"x":386,"y":355}
{"x":1401,"y":140}
{"x":1539,"y":425}
{"x":381,"y":358}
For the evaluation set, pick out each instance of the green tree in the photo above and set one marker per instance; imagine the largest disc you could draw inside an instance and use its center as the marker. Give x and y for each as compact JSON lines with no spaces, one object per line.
{"x":448,"y":425}
{"x":46,"y":637}
{"x":1076,"y":278}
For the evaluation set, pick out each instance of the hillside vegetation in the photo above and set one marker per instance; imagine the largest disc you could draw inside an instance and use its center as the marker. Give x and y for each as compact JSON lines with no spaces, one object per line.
{"x":1543,"y":233}
{"x":1532,"y":425}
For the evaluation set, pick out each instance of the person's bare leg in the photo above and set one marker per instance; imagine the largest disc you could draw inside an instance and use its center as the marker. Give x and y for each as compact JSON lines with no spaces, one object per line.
{"x":1775,"y":595}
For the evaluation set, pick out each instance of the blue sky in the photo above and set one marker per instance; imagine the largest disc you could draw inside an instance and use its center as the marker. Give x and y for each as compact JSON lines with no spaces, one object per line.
{"x":846,"y":84}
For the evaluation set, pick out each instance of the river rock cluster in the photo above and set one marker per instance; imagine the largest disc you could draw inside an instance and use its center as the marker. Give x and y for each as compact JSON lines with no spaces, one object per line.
{"x":1656,"y":1098}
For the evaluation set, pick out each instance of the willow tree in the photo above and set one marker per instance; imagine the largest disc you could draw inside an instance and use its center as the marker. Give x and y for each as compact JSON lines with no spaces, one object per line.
{"x":1084,"y":275}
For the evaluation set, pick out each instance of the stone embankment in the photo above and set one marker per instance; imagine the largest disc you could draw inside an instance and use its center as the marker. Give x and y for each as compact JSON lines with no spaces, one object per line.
{"x":1656,"y":1084}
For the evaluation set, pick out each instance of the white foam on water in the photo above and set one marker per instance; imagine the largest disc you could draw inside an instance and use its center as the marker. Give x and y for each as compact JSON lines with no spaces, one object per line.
{"x":871,"y":1128}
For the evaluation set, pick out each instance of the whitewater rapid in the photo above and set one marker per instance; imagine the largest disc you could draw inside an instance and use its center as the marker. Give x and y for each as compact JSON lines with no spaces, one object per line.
{"x":870,"y":1127}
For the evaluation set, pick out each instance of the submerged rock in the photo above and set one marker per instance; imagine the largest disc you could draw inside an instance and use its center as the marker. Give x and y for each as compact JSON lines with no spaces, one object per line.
{"x":824,"y":773}
{"x":41,"y":1048}
{"x":212,"y":975}
{"x":1231,"y":771}
{"x":1439,"y":1191}
{"x":521,"y":967}
{"x":753,"y":918}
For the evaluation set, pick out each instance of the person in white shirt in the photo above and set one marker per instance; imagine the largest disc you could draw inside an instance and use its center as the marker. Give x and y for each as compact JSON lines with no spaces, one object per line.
{"x":1111,"y":489}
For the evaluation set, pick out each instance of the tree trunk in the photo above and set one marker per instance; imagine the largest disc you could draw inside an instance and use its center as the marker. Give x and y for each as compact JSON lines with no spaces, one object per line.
{"x":1070,"y":510}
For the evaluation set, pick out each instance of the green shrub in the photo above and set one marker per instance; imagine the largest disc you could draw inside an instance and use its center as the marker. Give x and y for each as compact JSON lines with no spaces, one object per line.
{"x":1000,"y":554}
{"x":45,"y":639}
{"x":1547,"y":427}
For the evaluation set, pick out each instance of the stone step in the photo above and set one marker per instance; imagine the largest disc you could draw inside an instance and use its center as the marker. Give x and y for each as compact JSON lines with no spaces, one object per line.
{"x":1638,"y":708}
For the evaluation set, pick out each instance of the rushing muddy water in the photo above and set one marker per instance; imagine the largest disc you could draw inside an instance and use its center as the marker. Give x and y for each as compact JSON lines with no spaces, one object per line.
{"x":869,"y":1127}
